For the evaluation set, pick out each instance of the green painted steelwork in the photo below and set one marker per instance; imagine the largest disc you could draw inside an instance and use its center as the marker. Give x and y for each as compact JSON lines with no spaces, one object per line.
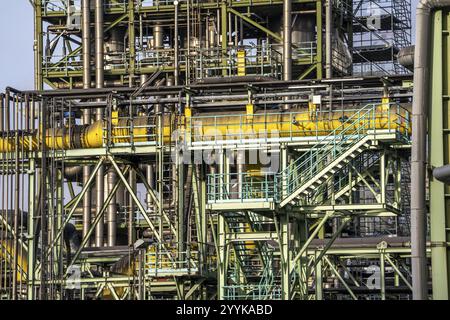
{"x":439,"y":154}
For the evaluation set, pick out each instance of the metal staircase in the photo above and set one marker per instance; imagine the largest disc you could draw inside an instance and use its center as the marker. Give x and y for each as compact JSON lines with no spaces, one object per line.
{"x":342,"y":185}
{"x":322,"y":164}
{"x":314,"y":167}
{"x":256,"y":261}
{"x":247,"y":253}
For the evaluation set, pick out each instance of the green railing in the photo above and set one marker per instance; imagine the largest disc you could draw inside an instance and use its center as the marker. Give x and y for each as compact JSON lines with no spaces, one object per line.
{"x":371,"y":119}
{"x":252,"y":292}
{"x":342,"y":180}
{"x":368,"y":119}
{"x":223,"y":187}
{"x":263,"y":127}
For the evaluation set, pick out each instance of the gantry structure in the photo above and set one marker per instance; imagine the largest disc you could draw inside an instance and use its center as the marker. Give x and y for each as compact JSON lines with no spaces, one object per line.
{"x":204,"y":150}
{"x":380,"y":29}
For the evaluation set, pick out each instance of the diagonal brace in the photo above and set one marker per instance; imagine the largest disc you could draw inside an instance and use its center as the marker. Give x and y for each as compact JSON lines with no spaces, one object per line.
{"x":98,"y":216}
{"x":139,"y":205}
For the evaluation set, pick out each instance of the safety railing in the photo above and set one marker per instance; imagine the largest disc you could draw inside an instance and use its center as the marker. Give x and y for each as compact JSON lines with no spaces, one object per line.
{"x":115,"y":4}
{"x":342,"y":180}
{"x":225,"y":187}
{"x":257,"y":60}
{"x":158,"y":263}
{"x":62,"y":63}
{"x":341,"y":139}
{"x":252,"y":292}
{"x":245,"y":187}
{"x":242,"y":128}
{"x":121,"y":217}
{"x":304,"y":51}
{"x":52,"y":6}
{"x":277,"y":126}
{"x":157,"y":3}
{"x":129,"y":131}
{"x":157,"y":58}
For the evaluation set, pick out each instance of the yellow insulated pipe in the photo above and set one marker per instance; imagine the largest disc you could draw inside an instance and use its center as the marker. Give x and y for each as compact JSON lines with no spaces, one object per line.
{"x":296,"y":124}
{"x":7,"y":253}
{"x":80,"y":137}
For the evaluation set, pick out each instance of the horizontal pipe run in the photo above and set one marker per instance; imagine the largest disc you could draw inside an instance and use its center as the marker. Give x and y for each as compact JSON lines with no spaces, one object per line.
{"x":297,"y":124}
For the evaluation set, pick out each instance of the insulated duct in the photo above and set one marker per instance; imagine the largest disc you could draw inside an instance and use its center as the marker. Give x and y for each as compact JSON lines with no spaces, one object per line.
{"x":421,"y":97}
{"x":300,"y":123}
{"x":287,"y":40}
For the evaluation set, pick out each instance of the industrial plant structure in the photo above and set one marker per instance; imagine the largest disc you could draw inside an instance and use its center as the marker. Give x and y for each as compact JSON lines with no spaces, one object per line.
{"x":224,"y":149}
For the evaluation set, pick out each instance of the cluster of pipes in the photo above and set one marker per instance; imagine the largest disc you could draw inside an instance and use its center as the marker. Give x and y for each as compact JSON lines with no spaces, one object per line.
{"x":106,"y":182}
{"x":302,"y":30}
{"x":101,"y":180}
{"x":421,"y":96}
{"x":294,"y":31}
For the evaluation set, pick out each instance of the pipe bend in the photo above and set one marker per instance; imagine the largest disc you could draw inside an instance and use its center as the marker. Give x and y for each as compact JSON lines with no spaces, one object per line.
{"x":428,"y":5}
{"x":442,"y":173}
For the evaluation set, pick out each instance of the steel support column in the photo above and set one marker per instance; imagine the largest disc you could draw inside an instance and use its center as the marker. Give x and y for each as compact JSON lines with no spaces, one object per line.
{"x":439,"y":155}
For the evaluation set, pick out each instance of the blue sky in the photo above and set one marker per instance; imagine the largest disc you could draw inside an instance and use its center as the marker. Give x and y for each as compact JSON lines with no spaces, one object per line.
{"x":16,"y":49}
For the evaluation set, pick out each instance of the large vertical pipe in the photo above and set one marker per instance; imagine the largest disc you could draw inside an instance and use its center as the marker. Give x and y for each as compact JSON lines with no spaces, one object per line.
{"x":328,"y":42}
{"x":132,"y":42}
{"x":99,"y":59}
{"x":99,"y":81}
{"x":112,"y":210}
{"x":418,"y":155}
{"x":421,"y":98}
{"x":158,"y":34}
{"x":287,"y":40}
{"x":86,"y":45}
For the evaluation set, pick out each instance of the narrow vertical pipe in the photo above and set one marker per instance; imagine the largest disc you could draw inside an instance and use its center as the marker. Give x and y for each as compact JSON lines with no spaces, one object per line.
{"x":328,"y":42}
{"x":188,"y":38}
{"x":132,"y":43}
{"x":236,"y":33}
{"x":112,"y":210}
{"x":38,"y":45}
{"x":241,"y":32}
{"x":99,"y":59}
{"x":6,"y":108}
{"x":240,"y":163}
{"x":218,"y":26}
{"x":99,"y":82}
{"x":2,"y":97}
{"x":207,"y":33}
{"x":223,"y":37}
{"x":230,"y":29}
{"x":382,"y":277}
{"x":131,"y":209}
{"x":176,"y":45}
{"x":86,"y":45}
{"x":16,"y":202}
{"x":287,"y":40}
